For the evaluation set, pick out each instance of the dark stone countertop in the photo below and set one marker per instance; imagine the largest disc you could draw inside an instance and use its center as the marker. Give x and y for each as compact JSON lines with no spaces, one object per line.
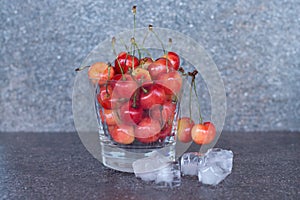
{"x":57,"y":166}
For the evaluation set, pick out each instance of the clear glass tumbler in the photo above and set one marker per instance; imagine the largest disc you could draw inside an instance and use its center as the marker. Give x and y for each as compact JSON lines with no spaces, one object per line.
{"x":136,"y":118}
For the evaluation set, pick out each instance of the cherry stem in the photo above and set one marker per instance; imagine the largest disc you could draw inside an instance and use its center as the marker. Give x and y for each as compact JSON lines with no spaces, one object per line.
{"x":81,"y":68}
{"x":161,"y":43}
{"x":145,"y":37}
{"x":190,"y":100}
{"x":109,"y":68}
{"x":134,"y":20}
{"x":167,"y":55}
{"x":134,"y":99}
{"x":144,"y":90}
{"x":136,"y":45}
{"x":147,"y":52}
{"x":113,"y":41}
{"x":133,"y":54}
{"x":180,"y":69}
{"x":193,"y":85}
{"x":142,"y":46}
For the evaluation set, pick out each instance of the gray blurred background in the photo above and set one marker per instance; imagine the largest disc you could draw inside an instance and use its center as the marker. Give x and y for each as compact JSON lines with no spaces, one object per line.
{"x":255,"y":44}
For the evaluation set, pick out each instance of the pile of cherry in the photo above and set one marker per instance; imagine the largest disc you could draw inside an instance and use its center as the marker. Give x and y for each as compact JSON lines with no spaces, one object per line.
{"x":138,"y":99}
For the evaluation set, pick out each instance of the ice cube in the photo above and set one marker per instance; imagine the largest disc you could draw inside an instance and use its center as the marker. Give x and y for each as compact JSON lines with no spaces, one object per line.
{"x":214,"y":166}
{"x":169,"y":176}
{"x":148,"y":168}
{"x":147,"y":176}
{"x":189,"y":163}
{"x":158,"y":168}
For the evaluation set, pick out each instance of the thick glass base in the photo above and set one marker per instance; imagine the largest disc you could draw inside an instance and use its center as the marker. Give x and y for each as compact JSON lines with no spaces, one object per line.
{"x":121,"y":159}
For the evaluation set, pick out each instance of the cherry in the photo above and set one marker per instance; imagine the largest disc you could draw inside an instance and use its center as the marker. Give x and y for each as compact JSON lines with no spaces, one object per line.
{"x":124,"y":85}
{"x":110,"y":117}
{"x":185,"y":126}
{"x":154,"y":95}
{"x":125,"y":61}
{"x":157,"y":112}
{"x":107,"y":99}
{"x":169,"y":107}
{"x":123,"y":134}
{"x":203,"y":133}
{"x":101,"y":72}
{"x":173,"y":58}
{"x":161,"y":65}
{"x":171,"y":81}
{"x":130,"y":114}
{"x":142,"y":76}
{"x":116,"y":78}
{"x":147,"y":130}
{"x":164,"y":113}
{"x":145,"y":62}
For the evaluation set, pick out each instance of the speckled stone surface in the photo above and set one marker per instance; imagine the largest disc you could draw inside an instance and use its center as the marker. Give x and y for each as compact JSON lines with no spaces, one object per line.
{"x":255,"y":45}
{"x":57,"y":166}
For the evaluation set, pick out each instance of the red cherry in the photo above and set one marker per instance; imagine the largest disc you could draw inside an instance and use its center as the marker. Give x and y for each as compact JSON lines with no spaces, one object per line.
{"x":203,"y":133}
{"x":125,"y":61}
{"x":185,"y":126}
{"x":161,"y":65}
{"x":107,"y":99}
{"x":129,"y":114}
{"x":147,"y":130}
{"x":173,"y":58}
{"x":110,"y":117}
{"x":164,"y":113}
{"x":142,"y":75}
{"x":100,"y":72}
{"x":123,"y":134}
{"x":124,"y":86}
{"x":145,"y":62}
{"x":154,"y":95}
{"x":169,"y":107}
{"x":172,"y":82}
{"x":156,"y":112}
{"x":114,"y":79}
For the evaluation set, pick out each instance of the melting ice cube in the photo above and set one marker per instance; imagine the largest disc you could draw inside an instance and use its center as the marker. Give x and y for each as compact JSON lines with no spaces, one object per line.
{"x":150,"y":165}
{"x":157,"y":168}
{"x":189,"y":163}
{"x":169,"y":176}
{"x":214,"y":166}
